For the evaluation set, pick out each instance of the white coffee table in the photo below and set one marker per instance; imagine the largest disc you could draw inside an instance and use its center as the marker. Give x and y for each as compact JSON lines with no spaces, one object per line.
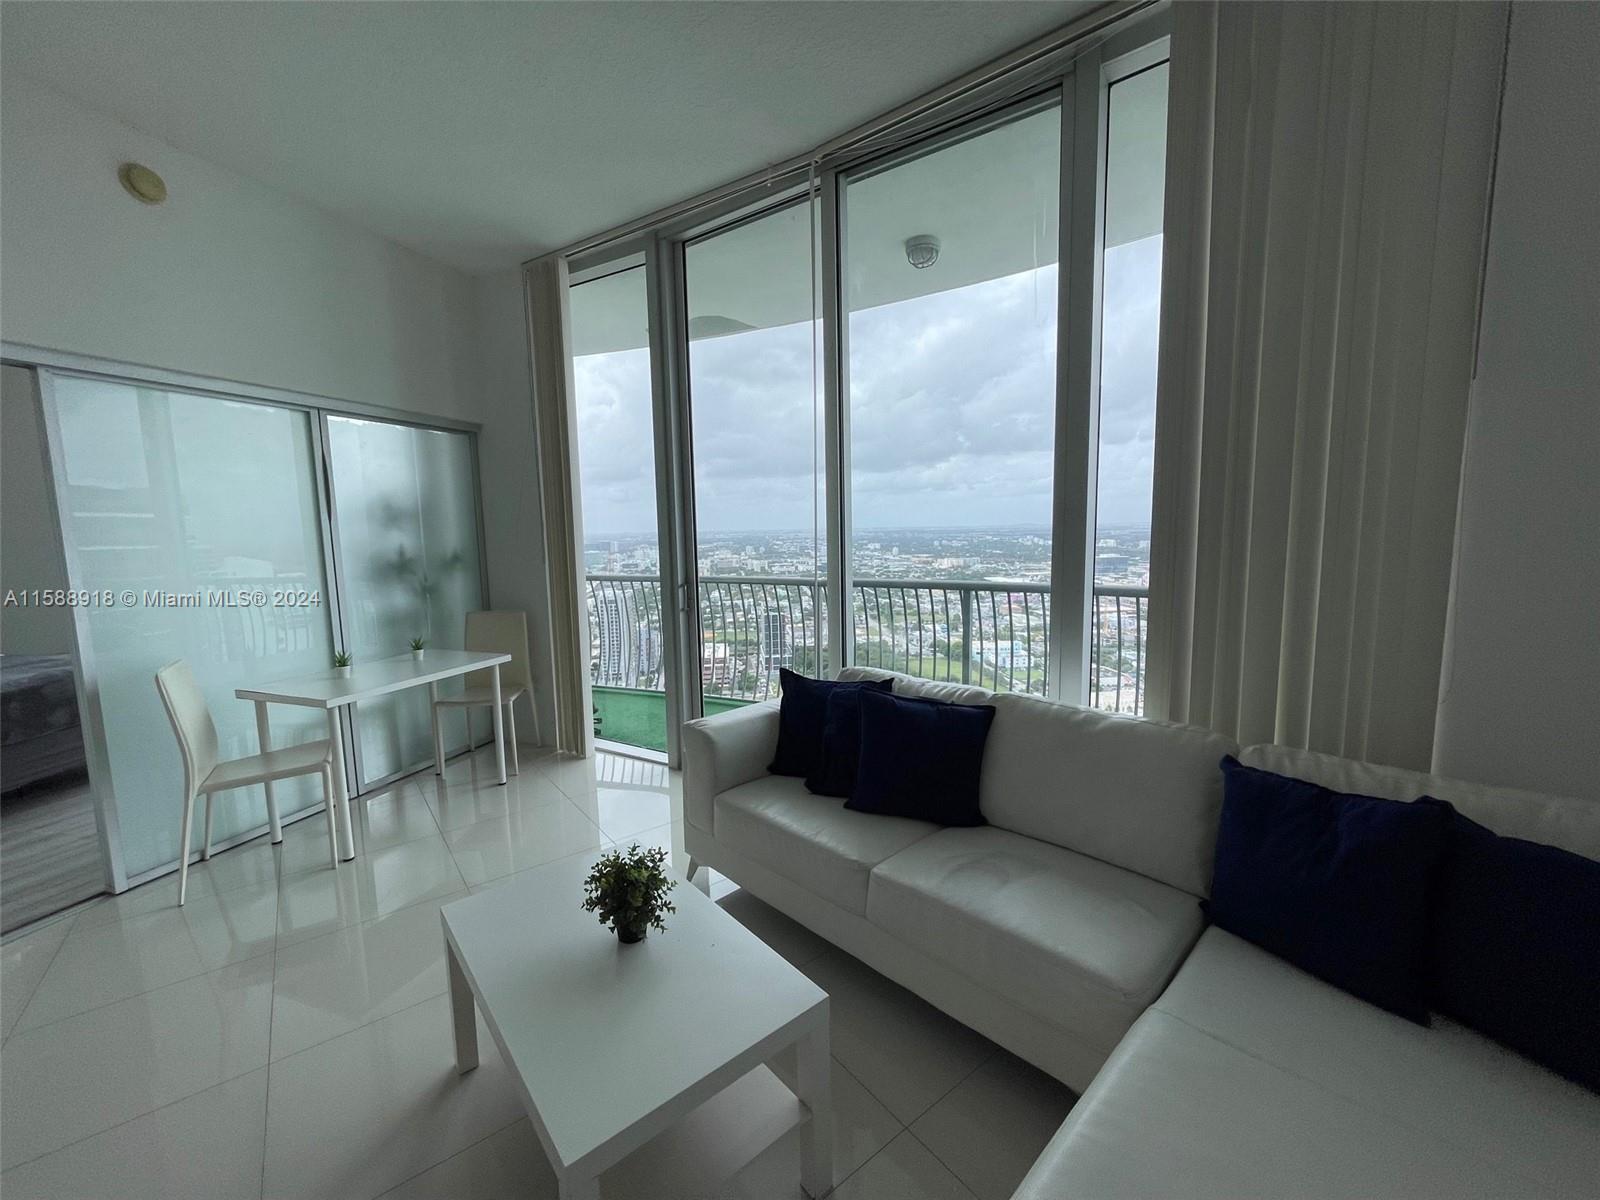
{"x":611,"y":1044}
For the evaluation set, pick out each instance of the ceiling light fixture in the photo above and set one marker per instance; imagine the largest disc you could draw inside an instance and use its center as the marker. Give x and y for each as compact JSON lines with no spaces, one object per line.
{"x":922,"y":251}
{"x":142,"y":183}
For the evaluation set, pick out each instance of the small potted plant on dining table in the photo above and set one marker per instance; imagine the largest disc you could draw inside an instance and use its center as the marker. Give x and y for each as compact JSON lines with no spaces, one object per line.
{"x":417,"y":645}
{"x":628,"y":889}
{"x":341,"y":665}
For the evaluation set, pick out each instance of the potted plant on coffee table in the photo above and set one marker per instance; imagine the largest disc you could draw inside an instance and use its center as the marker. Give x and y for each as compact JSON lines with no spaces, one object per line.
{"x":628,"y":889}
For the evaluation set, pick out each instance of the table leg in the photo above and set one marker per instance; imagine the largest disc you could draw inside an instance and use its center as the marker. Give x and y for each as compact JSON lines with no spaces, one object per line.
{"x":579,"y":1189}
{"x":438,"y":734}
{"x":341,"y":789}
{"x":264,"y":740}
{"x":816,"y":1143}
{"x":463,"y":1013}
{"x":499,"y":725}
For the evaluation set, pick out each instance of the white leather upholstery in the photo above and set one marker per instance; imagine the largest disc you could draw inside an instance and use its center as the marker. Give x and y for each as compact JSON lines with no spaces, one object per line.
{"x":1077,"y":942}
{"x":722,"y":752}
{"x":1250,"y":1078}
{"x":1567,"y":822}
{"x":1176,"y":1114}
{"x":1141,"y":794}
{"x":810,"y":839}
{"x":926,"y":689}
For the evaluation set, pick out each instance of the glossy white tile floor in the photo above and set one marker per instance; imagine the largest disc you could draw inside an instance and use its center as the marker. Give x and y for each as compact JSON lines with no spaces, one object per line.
{"x":286,"y":1033}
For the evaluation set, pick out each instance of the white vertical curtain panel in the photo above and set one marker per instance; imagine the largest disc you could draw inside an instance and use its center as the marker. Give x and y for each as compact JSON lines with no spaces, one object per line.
{"x":555,"y":425}
{"x":1327,"y":185}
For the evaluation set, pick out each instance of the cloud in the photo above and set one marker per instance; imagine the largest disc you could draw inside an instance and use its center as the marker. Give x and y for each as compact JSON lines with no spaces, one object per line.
{"x":952,"y":399}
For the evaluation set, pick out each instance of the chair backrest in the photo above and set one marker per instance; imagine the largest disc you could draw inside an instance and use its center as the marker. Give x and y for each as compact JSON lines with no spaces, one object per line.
{"x":507,"y":633}
{"x":191,"y":721}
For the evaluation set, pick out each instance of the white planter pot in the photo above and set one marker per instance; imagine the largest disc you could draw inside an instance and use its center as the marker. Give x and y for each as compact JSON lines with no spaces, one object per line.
{"x":416,"y":655}
{"x":342,"y":672}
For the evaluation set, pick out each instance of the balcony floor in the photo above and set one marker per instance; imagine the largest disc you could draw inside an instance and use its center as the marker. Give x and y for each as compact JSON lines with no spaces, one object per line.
{"x":639,"y":718}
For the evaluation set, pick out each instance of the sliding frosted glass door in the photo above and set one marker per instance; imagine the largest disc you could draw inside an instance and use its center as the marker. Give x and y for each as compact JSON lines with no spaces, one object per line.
{"x":406,"y":522}
{"x":178,"y":512}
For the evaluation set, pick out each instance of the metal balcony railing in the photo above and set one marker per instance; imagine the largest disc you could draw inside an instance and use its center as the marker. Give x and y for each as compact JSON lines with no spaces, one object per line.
{"x":991,"y":635}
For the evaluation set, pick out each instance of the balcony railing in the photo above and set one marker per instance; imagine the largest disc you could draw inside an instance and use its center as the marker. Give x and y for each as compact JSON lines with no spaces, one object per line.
{"x":990,"y":635}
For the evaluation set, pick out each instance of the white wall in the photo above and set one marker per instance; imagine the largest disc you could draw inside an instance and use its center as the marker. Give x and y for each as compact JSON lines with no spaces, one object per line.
{"x":232,"y":279}
{"x":227,"y":278}
{"x":1520,"y":702}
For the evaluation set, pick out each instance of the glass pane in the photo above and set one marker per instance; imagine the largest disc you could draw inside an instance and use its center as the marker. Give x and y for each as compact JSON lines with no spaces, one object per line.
{"x":1130,"y":320}
{"x":951,"y":288}
{"x":758,"y":477}
{"x":188,"y":504}
{"x":406,"y":519}
{"x":617,"y":481}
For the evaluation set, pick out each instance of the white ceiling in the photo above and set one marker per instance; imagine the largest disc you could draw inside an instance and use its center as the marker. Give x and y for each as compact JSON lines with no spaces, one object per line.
{"x":484,"y":133}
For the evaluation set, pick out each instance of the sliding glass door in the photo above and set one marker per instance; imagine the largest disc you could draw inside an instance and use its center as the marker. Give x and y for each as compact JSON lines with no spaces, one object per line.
{"x":756,"y":444}
{"x":405,"y":515}
{"x":617,"y":497}
{"x":192,"y":527}
{"x":950,"y":283}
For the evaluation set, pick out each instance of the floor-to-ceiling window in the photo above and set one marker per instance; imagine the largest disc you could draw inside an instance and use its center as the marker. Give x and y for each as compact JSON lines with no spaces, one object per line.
{"x":756,"y":427}
{"x":950,"y":281}
{"x":905,"y":400}
{"x":617,"y":495}
{"x":1136,"y":145}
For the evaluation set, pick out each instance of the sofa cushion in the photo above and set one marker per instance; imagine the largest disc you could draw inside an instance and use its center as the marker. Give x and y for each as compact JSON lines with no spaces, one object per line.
{"x":928,"y":689}
{"x":1567,"y":822}
{"x":811,"y":840}
{"x":920,"y":758}
{"x":1141,"y":794}
{"x":1516,"y":947}
{"x":1446,"y":1081}
{"x":1076,"y":942}
{"x":802,"y":717}
{"x":1176,"y":1114}
{"x":1340,"y":885}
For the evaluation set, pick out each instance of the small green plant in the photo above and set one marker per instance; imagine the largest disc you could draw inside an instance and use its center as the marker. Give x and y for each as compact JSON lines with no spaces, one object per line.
{"x":628,"y":888}
{"x":341,"y":659}
{"x":417,"y":643}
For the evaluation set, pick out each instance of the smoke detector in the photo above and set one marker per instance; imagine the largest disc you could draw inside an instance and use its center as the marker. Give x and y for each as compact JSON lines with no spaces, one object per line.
{"x":922,"y":251}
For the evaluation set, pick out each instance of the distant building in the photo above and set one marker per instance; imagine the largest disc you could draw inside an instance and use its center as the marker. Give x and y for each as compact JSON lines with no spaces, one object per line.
{"x":777,"y":648}
{"x":614,"y":621}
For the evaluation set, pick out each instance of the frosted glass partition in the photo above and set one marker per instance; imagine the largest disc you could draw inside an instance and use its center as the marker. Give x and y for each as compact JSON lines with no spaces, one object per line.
{"x":406,"y":523}
{"x":180,"y":513}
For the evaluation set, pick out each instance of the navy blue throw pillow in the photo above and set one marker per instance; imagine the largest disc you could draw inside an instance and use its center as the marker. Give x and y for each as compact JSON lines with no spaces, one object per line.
{"x":1339,"y":885}
{"x":1517,"y":947}
{"x":801,"y":714}
{"x":920,"y":758}
{"x":841,"y":744}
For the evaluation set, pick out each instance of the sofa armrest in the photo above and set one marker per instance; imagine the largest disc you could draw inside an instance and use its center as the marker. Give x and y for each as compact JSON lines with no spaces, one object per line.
{"x":723,"y":751}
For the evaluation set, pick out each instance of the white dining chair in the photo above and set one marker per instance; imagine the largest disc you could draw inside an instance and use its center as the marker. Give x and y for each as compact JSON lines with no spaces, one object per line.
{"x":496,"y":632}
{"x":203,"y":774}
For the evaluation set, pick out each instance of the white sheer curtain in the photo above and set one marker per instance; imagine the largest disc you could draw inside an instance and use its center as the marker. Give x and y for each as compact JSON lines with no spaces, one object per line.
{"x":1328,"y":171}
{"x":549,"y":338}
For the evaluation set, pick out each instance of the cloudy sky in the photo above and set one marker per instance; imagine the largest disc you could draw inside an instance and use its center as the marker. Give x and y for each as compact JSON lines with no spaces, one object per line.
{"x":951,"y":410}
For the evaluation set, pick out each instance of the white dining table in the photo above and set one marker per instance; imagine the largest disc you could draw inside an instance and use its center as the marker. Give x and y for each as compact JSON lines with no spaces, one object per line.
{"x":331,"y":691}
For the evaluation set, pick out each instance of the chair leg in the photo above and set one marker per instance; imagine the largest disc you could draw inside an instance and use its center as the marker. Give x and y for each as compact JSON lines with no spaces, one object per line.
{"x":183,"y":851}
{"x":333,"y":836}
{"x":511,"y":735}
{"x":205,"y":850}
{"x":471,"y":745}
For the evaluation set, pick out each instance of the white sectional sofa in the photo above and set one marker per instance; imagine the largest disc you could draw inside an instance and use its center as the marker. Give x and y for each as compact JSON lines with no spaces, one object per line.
{"x":1069,"y":931}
